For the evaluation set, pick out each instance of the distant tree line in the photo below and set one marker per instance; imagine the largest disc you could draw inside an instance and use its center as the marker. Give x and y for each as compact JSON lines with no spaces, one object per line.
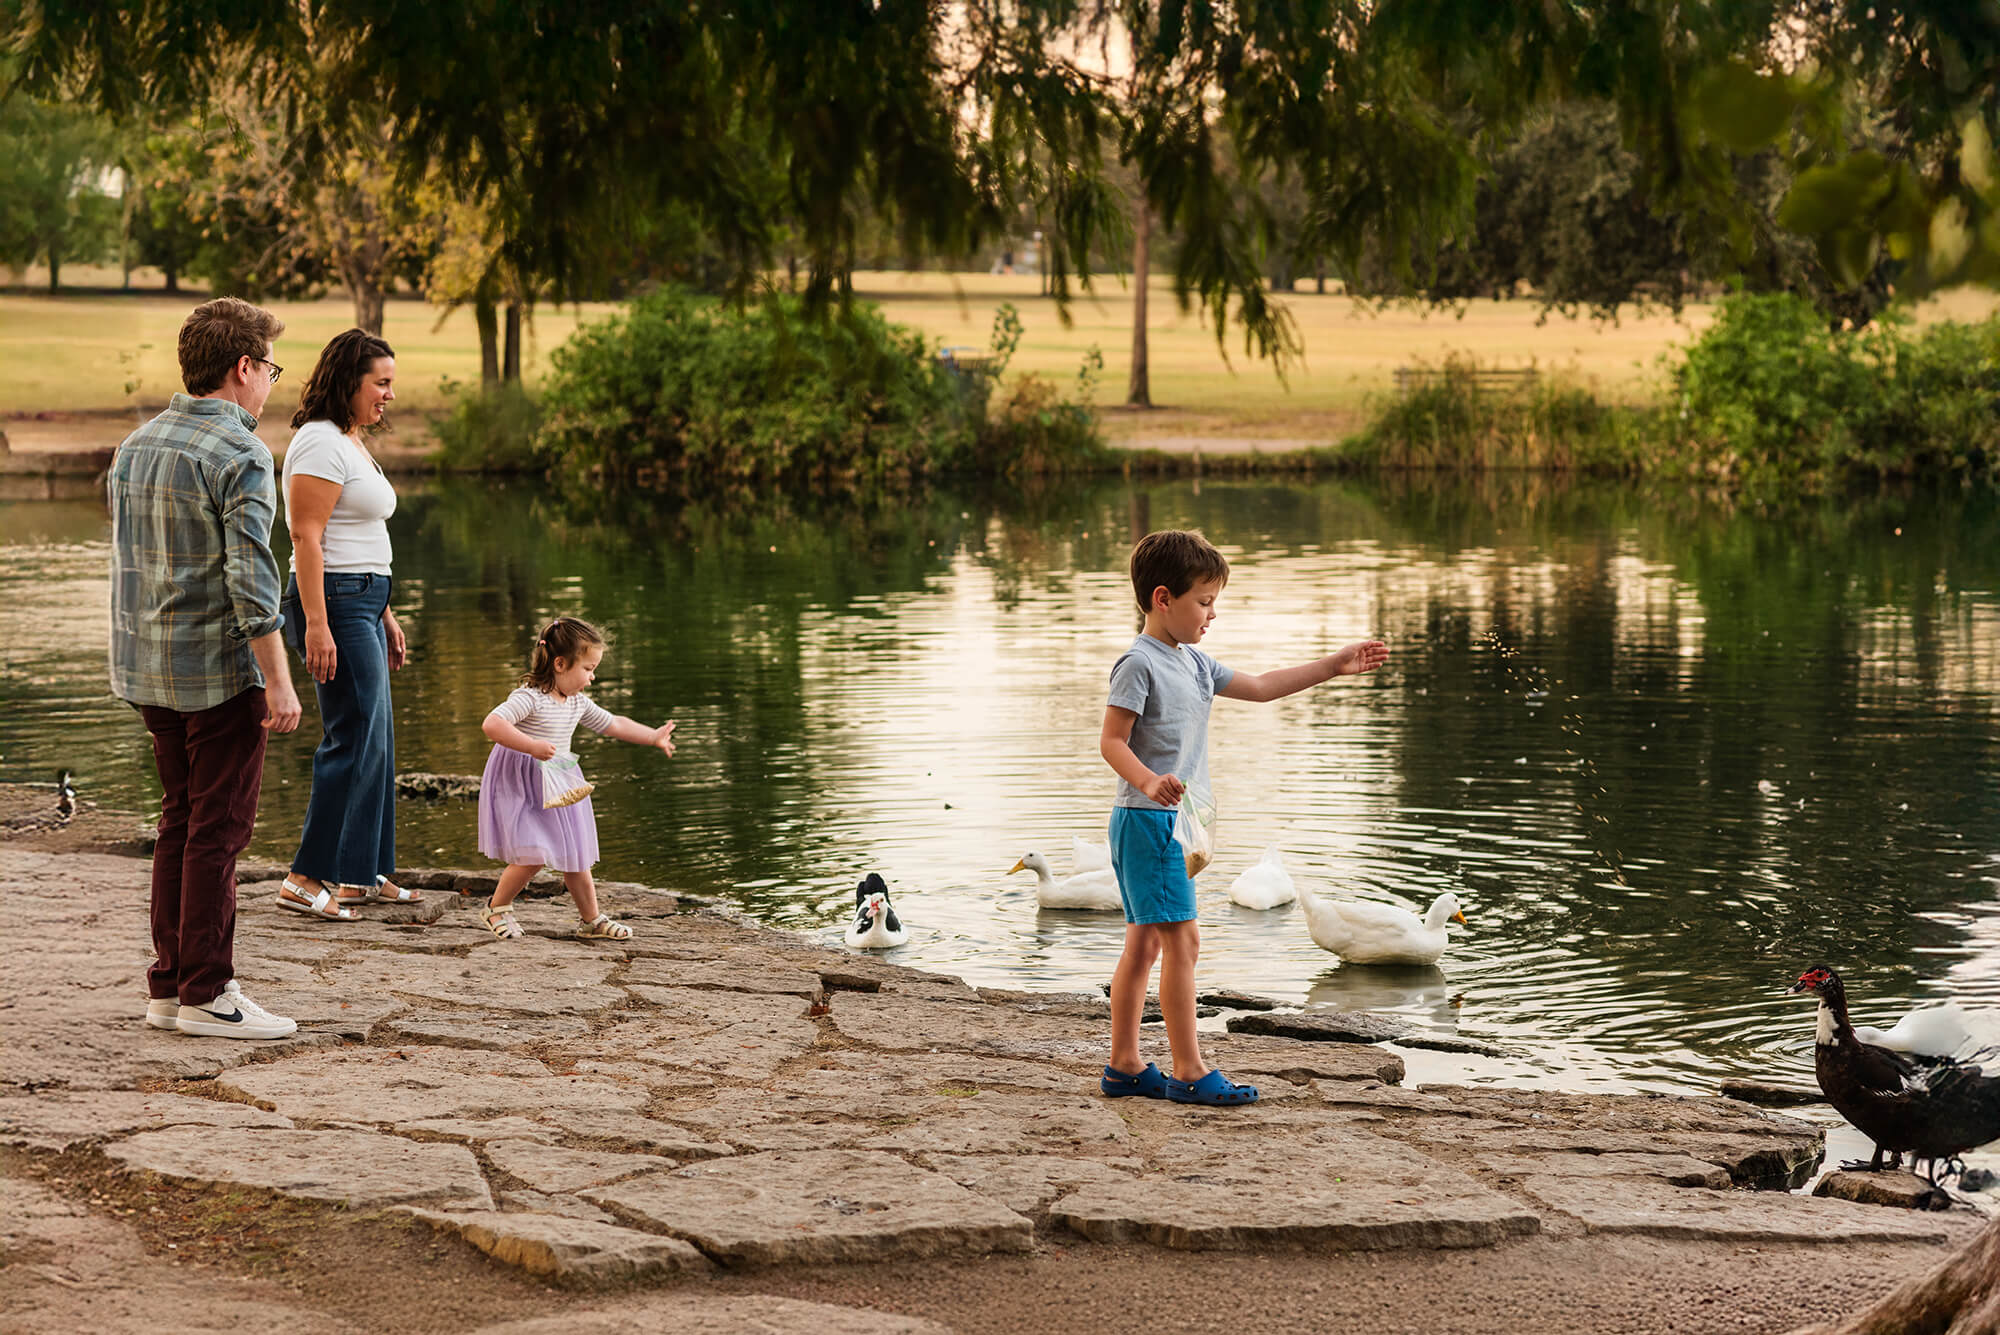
{"x":498,"y":155}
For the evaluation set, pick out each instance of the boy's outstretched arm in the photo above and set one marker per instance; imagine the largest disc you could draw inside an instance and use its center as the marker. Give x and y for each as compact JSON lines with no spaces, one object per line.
{"x":1115,"y":744}
{"x":1364,"y":656}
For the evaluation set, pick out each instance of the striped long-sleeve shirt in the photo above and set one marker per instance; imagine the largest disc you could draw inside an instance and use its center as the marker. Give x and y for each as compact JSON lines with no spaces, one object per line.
{"x":193,"y":580}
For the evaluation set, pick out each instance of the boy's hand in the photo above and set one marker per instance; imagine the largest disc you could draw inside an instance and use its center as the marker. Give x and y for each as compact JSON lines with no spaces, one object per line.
{"x":1164,"y":789}
{"x":1365,"y":656}
{"x":663,"y":737}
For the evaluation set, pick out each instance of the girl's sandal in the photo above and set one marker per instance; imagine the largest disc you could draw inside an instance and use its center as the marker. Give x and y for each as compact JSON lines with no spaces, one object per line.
{"x":379,"y":893}
{"x":324,"y":904}
{"x":601,"y":928}
{"x":500,"y":922}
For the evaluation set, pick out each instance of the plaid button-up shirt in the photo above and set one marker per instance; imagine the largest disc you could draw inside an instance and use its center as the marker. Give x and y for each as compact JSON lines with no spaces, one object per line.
{"x":193,"y":580}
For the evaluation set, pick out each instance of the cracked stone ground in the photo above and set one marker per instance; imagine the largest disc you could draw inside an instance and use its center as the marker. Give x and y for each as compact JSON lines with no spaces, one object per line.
{"x":719,"y":1123}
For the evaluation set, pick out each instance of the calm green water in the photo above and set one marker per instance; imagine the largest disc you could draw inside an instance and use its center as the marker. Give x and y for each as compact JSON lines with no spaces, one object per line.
{"x":1668,"y":754}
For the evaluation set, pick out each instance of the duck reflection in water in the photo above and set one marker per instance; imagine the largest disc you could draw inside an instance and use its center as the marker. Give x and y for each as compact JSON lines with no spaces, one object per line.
{"x":1407,"y":988}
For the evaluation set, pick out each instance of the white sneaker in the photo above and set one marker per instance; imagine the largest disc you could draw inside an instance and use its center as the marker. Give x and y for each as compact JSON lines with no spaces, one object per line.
{"x":161,"y":1011}
{"x":233,"y":1015}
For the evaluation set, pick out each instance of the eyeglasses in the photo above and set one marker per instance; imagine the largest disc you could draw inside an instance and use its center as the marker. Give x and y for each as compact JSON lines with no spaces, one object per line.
{"x":276,"y":370}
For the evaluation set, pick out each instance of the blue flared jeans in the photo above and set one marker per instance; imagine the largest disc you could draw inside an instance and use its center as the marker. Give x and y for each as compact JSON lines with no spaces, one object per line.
{"x":350,"y":832}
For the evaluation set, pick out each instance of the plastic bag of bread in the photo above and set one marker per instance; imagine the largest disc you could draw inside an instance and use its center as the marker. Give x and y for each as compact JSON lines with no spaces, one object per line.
{"x":1194,"y":830}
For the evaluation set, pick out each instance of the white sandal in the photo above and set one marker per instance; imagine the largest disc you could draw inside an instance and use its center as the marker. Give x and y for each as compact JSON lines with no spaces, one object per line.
{"x":500,"y":921}
{"x":403,"y":894}
{"x":601,"y":928}
{"x":325,"y":904}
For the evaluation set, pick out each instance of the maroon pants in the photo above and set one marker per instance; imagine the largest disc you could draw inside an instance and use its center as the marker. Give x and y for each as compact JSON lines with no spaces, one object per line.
{"x":210,"y":764}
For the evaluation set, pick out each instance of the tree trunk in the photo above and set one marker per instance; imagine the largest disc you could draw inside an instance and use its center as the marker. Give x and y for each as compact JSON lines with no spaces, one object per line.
{"x":1139,"y":392}
{"x":55,"y":269}
{"x":486,"y":315}
{"x":368,"y":299}
{"x":510,"y":369}
{"x":1319,"y":274}
{"x":171,"y":271}
{"x":1960,"y":1297}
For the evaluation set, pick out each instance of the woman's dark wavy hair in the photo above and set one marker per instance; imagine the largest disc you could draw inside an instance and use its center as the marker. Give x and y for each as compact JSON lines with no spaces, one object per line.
{"x":330,"y":389}
{"x":565,"y":637}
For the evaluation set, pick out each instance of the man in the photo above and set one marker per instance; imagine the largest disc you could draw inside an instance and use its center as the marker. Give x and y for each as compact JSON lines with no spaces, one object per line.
{"x":195,"y":648}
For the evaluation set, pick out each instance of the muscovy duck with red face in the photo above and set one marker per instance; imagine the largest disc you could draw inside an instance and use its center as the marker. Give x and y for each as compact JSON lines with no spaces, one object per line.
{"x":1933,"y":1115}
{"x":875,"y":925}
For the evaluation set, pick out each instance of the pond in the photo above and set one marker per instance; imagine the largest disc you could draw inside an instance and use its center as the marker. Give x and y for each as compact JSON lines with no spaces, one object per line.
{"x":1668,"y":753}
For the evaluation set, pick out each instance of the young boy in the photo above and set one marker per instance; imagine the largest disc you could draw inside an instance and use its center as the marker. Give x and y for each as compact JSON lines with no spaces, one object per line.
{"x":1156,"y":738}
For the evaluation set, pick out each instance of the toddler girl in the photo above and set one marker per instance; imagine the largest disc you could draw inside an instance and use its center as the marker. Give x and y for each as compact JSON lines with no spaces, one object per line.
{"x":533,"y":724}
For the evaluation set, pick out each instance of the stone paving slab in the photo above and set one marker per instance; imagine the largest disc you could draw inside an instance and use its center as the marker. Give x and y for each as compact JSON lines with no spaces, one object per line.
{"x":1028,"y":1183}
{"x":737,"y":971}
{"x":818,"y":1206}
{"x":1011,"y":1124}
{"x":552,"y":1168}
{"x":634,"y":1133}
{"x":748,"y":1314}
{"x":578,"y":1251}
{"x":1676,"y":1170}
{"x":1320,"y":1026}
{"x":467,"y":1029}
{"x":1901,"y":1190}
{"x":1295,"y":1060}
{"x":1734,"y":1216}
{"x":944,"y":1072}
{"x":353,"y":1168}
{"x":58,"y":1119}
{"x":528,"y":984}
{"x":1352,"y":1191}
{"x":413,"y":1084}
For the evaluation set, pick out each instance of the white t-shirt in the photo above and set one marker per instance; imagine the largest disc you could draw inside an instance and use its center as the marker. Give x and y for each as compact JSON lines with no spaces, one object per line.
{"x":357,"y":532}
{"x":550,"y":718}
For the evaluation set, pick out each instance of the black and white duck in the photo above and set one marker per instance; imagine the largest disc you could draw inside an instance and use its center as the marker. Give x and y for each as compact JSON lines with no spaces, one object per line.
{"x":875,"y":925}
{"x":1931,"y":1113}
{"x":65,"y":798}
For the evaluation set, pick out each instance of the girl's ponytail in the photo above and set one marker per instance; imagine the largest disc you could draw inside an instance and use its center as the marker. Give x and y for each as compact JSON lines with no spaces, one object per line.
{"x":565,"y":637}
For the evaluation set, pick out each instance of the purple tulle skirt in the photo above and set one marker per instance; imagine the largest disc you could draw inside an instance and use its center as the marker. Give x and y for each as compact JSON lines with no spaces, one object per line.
{"x":515,"y":827}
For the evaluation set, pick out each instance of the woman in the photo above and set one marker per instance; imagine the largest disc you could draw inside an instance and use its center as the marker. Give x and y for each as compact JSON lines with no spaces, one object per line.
{"x":337,"y":618}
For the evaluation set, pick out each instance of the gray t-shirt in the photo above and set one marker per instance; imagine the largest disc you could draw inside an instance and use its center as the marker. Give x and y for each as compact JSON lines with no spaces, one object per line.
{"x":1170,"y":689}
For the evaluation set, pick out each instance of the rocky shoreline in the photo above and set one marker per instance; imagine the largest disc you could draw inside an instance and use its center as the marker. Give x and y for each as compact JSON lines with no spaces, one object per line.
{"x":714,"y":1098}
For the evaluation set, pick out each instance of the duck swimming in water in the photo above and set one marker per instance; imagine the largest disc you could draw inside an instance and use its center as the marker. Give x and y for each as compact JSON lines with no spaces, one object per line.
{"x":875,"y":925}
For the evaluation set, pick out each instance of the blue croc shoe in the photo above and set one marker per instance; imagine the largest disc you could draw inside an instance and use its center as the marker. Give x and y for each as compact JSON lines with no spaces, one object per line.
{"x":1214,"y":1090}
{"x":1148,"y":1084}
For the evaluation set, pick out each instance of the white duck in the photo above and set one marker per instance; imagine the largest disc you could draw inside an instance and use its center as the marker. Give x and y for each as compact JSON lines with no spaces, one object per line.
{"x":1935,"y":1032}
{"x":1085,"y":856}
{"x":1265,"y":884}
{"x":1379,"y":933}
{"x":875,"y":925}
{"x":1095,"y":889}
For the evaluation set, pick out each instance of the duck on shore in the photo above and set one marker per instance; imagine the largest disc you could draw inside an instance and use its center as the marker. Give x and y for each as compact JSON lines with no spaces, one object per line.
{"x":1934,"y":1114}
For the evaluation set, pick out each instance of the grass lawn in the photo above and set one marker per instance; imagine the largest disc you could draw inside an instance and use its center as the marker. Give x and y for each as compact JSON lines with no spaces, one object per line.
{"x":96,"y":353}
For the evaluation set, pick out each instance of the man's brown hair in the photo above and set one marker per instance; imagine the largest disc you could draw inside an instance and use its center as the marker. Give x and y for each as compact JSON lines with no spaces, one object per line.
{"x":1176,"y":558}
{"x":217,"y":334}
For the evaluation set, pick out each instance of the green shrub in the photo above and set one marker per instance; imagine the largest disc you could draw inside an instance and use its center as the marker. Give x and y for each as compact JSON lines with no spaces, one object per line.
{"x":1770,"y":394}
{"x":492,"y":431}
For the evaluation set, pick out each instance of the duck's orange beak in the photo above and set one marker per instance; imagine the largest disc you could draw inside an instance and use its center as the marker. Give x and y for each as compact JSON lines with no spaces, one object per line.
{"x":1016,"y":867}
{"x":1459,"y":917}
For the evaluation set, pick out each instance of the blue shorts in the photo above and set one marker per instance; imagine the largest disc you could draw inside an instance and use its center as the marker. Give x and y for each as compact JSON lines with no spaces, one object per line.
{"x":1152,"y":871}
